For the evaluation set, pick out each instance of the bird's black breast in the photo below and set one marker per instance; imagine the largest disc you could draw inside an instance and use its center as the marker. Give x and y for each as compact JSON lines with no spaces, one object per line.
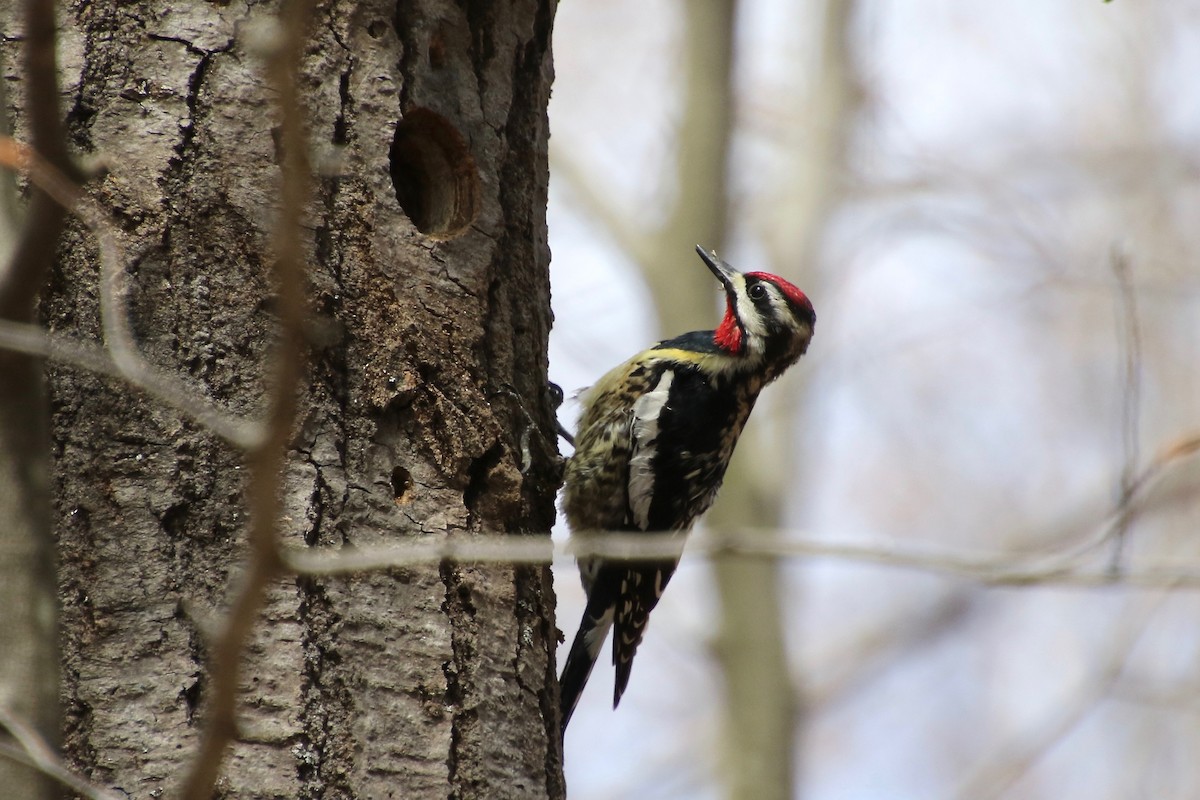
{"x":698,"y":428}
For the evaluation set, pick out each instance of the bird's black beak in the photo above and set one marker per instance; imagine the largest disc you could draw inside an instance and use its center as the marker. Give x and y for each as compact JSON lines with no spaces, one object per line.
{"x":723,"y":271}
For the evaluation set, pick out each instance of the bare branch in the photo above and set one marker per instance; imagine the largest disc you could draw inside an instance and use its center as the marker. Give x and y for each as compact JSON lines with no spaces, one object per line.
{"x":1130,"y":343}
{"x":34,"y":340}
{"x":21,"y":279}
{"x":988,"y":569}
{"x":29,"y":656}
{"x":484,"y":549}
{"x":33,"y":751}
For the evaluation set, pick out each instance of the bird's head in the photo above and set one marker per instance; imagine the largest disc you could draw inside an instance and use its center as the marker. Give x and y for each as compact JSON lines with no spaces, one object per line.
{"x":768,"y":321}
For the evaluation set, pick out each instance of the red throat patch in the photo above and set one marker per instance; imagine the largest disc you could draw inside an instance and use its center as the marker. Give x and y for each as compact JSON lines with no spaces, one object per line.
{"x":728,"y":335}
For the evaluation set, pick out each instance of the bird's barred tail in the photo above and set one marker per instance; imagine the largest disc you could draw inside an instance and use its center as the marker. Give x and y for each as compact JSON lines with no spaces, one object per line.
{"x":625,"y":645}
{"x":593,"y":630}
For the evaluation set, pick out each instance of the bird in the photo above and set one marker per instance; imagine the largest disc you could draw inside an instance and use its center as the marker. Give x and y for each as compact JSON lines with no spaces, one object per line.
{"x":654,"y":439}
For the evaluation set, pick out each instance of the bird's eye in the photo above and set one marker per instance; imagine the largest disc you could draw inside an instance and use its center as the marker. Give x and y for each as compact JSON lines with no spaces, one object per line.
{"x":758,"y":291}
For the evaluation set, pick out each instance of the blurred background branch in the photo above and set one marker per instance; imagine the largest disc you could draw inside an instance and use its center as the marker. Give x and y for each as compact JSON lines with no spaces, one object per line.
{"x":29,"y":659}
{"x":32,"y":751}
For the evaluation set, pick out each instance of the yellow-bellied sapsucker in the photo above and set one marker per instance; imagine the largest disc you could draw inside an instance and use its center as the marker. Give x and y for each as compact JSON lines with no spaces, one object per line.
{"x":654,"y":439}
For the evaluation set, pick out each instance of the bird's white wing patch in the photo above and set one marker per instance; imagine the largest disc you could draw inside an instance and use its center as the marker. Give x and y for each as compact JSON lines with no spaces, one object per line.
{"x":594,"y":639}
{"x":646,"y":410}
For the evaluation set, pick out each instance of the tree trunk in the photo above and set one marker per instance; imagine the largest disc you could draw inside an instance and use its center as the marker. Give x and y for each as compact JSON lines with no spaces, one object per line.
{"x":425,"y":415}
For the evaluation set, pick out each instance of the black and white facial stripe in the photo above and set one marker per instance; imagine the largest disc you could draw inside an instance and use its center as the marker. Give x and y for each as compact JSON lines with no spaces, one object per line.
{"x":765,"y":312}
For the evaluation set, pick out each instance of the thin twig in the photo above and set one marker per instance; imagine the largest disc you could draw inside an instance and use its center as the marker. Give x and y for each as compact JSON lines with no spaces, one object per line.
{"x":33,"y":751}
{"x":1130,"y":343}
{"x":267,"y":460}
{"x":29,"y":622}
{"x":34,"y":340}
{"x":24,"y":337}
{"x":22,"y":278}
{"x":483,"y":549}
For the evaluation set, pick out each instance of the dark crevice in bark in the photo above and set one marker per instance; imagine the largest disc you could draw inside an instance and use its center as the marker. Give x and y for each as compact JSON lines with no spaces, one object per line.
{"x":191,"y":694}
{"x":188,"y":129}
{"x":77,"y":725}
{"x":316,"y":505}
{"x":477,"y":476}
{"x":101,"y":26}
{"x":324,"y":757}
{"x":325,"y":754}
{"x":404,"y":23}
{"x":76,"y":576}
{"x":482,"y":21}
{"x":197,"y":649}
{"x":522,"y":246}
{"x":185,"y":150}
{"x":454,"y":695}
{"x":341,"y":128}
{"x":458,"y":609}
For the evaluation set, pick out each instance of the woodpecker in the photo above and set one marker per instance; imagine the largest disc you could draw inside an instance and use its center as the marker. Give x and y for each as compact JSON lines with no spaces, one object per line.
{"x":655,"y":436}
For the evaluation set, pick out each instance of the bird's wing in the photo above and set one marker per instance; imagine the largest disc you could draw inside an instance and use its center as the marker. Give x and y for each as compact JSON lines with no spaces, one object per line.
{"x":641,"y":584}
{"x":643,"y":447}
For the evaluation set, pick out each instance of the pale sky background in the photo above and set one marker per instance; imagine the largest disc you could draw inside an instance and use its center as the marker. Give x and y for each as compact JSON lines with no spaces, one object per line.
{"x":963,"y":388}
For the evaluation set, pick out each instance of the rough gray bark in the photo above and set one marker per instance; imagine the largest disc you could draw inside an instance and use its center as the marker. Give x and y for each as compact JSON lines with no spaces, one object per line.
{"x":424,"y":415}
